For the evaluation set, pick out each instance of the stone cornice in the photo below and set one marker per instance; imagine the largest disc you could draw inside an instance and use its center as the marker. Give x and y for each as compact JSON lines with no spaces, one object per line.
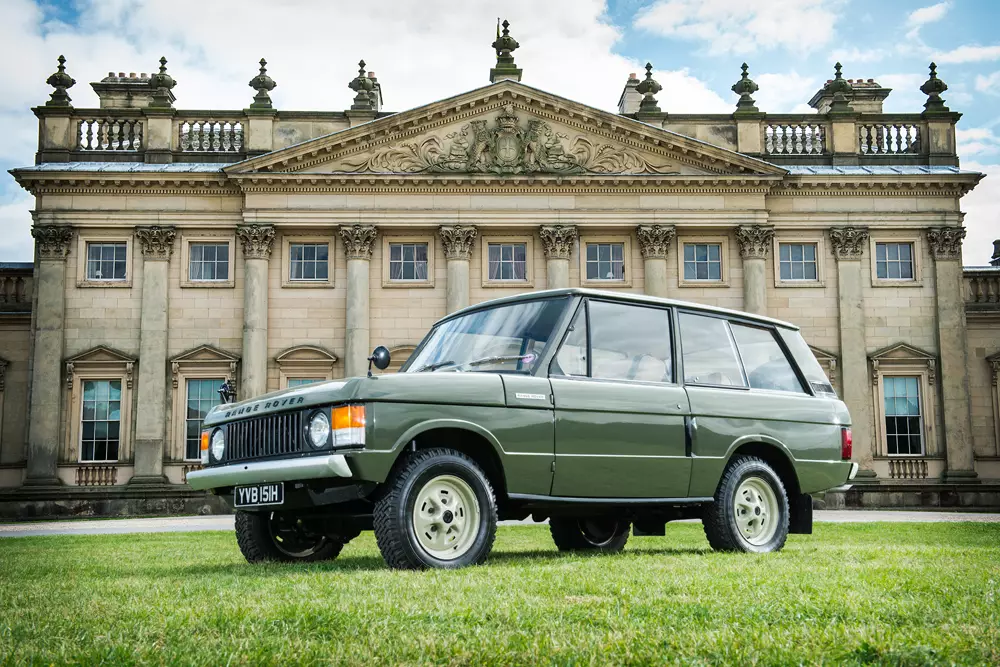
{"x":946,"y":242}
{"x":105,"y":183}
{"x":880,"y":185}
{"x":754,"y":240}
{"x":848,"y":243}
{"x":557,"y":241}
{"x":257,"y":240}
{"x":457,"y":241}
{"x":359,"y":241}
{"x":157,"y":242}
{"x":655,"y":240}
{"x":52,"y":241}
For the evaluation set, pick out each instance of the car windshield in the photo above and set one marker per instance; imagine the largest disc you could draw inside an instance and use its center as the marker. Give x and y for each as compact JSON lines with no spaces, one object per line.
{"x":509,"y":338}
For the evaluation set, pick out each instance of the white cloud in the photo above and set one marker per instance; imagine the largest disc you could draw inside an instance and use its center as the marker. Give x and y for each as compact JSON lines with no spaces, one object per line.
{"x":989,"y":84}
{"x":855,"y":55}
{"x":982,"y":215}
{"x":970,"y":53}
{"x":744,"y":26}
{"x":16,"y":244}
{"x":788,"y":92}
{"x":905,"y":96}
{"x":978,"y":141}
{"x":926,"y":15}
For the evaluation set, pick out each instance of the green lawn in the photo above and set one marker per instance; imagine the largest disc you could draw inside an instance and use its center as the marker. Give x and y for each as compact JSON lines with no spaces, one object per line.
{"x":899,"y":594}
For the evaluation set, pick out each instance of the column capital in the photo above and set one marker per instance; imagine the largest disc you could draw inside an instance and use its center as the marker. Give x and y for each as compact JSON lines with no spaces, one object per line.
{"x":359,"y":241}
{"x":257,"y":240}
{"x":157,"y":242}
{"x":946,"y":242}
{"x":557,"y":241}
{"x":848,"y":242}
{"x":457,"y":240}
{"x":754,"y":240}
{"x":52,"y":241}
{"x":655,"y":240}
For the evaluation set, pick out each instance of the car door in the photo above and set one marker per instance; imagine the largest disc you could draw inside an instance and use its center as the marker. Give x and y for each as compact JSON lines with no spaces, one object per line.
{"x":619,"y":414}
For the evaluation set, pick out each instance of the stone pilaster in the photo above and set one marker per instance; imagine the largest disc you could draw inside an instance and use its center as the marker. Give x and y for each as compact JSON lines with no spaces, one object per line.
{"x":848,"y":244}
{"x":946,"y":248}
{"x":52,"y":245}
{"x":359,"y":243}
{"x":654,"y":244}
{"x":557,"y":244}
{"x":457,"y":241}
{"x":257,"y":241}
{"x":754,"y":242}
{"x":157,"y":244}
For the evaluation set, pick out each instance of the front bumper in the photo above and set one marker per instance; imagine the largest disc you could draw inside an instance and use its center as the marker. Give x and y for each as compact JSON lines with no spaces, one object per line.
{"x":280,"y":470}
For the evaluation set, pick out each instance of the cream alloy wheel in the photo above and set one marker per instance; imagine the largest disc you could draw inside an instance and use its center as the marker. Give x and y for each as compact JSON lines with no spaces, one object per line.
{"x":446,"y":517}
{"x":756,"y":510}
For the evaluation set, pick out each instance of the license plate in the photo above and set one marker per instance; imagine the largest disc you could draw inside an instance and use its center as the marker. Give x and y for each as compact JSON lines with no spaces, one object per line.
{"x":259,"y":494}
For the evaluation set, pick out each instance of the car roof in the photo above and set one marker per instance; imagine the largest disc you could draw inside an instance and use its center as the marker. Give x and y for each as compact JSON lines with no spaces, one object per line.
{"x":630,"y":297}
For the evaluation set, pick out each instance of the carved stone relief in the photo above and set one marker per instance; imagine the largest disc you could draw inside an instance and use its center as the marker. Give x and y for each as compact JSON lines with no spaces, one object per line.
{"x":848,"y":242}
{"x":257,"y":240}
{"x":557,"y":241}
{"x":156,"y":242}
{"x":754,"y":240}
{"x":359,"y":241}
{"x":52,"y":241}
{"x":946,"y":242}
{"x":655,"y":240}
{"x":457,"y":241}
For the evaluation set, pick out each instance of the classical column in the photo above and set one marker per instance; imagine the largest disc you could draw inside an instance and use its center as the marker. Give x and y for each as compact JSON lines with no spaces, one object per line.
{"x":654,"y":243}
{"x":257,"y":241}
{"x":754,"y":241}
{"x":848,"y":245}
{"x":557,"y":243}
{"x":157,"y":244}
{"x":52,"y":244}
{"x":359,"y":242}
{"x":457,"y":241}
{"x":946,"y":247}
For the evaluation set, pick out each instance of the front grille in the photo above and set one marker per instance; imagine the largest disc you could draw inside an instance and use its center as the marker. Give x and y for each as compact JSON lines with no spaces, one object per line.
{"x":263,"y":437}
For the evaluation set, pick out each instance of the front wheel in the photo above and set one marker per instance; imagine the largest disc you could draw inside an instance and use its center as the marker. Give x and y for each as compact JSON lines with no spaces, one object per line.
{"x":750,"y":512}
{"x":274,"y":536}
{"x":601,"y":534}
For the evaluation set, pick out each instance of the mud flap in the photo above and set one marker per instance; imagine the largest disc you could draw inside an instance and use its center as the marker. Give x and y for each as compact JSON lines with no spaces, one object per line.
{"x":800,"y":521}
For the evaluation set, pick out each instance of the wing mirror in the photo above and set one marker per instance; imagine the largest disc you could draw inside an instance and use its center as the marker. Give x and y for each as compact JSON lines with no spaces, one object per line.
{"x":227,"y":392}
{"x":380,"y":357}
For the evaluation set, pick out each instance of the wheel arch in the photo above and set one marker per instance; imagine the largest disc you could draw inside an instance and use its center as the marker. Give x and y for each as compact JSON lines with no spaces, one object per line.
{"x":776,"y":455}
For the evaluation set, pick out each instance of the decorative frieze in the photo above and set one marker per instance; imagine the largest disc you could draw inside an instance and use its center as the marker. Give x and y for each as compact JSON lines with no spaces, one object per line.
{"x":558,"y":240}
{"x":754,"y":240}
{"x":655,"y":240}
{"x":359,"y":241}
{"x":52,"y":241}
{"x":157,"y":242}
{"x":848,"y":242}
{"x":257,"y":240}
{"x":458,"y":240}
{"x":946,"y":242}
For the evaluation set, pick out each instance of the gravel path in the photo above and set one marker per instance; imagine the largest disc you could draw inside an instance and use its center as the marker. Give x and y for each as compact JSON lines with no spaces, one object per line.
{"x":200,"y":523}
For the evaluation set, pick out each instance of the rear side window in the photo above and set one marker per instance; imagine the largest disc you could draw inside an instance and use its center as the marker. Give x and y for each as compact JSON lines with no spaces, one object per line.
{"x":765,"y":362}
{"x":709,"y":354}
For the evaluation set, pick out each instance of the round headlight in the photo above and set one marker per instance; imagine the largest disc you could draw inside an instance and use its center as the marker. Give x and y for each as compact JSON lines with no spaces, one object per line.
{"x":218,"y":447}
{"x":319,"y":429}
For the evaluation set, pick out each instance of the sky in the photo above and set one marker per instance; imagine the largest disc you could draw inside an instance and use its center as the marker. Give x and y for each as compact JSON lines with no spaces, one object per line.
{"x":425,"y":50}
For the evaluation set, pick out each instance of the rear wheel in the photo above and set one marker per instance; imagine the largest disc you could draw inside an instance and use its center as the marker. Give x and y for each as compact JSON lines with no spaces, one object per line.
{"x":750,"y":512}
{"x":275,"y":536}
{"x":607,"y":535}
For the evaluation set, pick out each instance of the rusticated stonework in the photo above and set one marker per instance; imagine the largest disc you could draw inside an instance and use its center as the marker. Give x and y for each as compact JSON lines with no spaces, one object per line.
{"x":754,"y":240}
{"x":52,"y":241}
{"x":157,"y":242}
{"x":848,"y":242}
{"x":257,"y":240}
{"x":359,"y":241}
{"x":946,"y":242}
{"x":655,"y":240}
{"x":557,"y":241}
{"x":458,"y":240}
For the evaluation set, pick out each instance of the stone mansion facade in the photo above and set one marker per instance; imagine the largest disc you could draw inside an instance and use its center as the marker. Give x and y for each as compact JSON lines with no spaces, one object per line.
{"x":177,"y":249}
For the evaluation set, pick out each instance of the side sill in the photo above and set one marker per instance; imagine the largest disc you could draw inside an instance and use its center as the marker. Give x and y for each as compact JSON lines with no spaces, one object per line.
{"x":528,"y":497}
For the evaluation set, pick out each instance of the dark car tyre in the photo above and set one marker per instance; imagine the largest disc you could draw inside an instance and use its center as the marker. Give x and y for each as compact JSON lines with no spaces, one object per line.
{"x":438,"y":511}
{"x":271,"y":536}
{"x":607,"y":535}
{"x":750,"y":512}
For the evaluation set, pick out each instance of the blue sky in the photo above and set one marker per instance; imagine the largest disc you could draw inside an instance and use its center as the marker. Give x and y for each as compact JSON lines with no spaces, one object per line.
{"x":582,"y":49}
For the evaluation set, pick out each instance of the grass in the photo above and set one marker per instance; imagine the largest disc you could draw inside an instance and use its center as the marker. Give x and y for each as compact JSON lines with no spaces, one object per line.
{"x":893,"y":594}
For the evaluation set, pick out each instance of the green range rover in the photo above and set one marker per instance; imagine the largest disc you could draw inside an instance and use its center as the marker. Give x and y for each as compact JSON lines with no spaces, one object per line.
{"x":604,"y":413}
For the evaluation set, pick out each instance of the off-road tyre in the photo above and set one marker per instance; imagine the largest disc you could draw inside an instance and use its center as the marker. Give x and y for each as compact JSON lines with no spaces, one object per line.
{"x":258,"y":544}
{"x":604,"y":535}
{"x":394,"y":516}
{"x":720,"y":519}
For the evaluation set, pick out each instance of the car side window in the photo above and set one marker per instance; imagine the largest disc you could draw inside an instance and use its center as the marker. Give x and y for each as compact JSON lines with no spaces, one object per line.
{"x":572,"y":356}
{"x":630,"y":342}
{"x":709,"y":354}
{"x":765,"y":362}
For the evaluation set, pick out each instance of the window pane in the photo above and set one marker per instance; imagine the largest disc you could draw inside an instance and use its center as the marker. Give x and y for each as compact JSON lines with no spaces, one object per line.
{"x":796,"y":253}
{"x":630,"y":342}
{"x":709,"y":356}
{"x":572,"y":356}
{"x":810,"y":273}
{"x":520,"y":251}
{"x":906,"y":271}
{"x":880,"y":252}
{"x":765,"y":362}
{"x":690,"y":273}
{"x":688,"y":252}
{"x":903,"y":418}
{"x":786,"y":271}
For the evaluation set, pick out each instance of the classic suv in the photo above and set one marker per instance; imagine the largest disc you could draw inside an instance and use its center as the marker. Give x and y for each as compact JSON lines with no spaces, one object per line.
{"x":601,"y":412}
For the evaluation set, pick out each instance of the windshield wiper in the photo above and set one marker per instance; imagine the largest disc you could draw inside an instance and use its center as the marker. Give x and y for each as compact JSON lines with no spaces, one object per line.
{"x":496,"y":360}
{"x":434,"y":367}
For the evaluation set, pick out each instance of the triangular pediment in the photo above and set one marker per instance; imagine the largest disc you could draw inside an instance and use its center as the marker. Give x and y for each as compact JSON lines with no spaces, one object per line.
{"x":823,"y":355}
{"x":504,"y":130}
{"x":901,"y":351}
{"x":101,"y":354}
{"x":205,"y":353}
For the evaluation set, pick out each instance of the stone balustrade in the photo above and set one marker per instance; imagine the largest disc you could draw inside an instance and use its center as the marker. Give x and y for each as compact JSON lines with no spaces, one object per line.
{"x":99,"y":475}
{"x":907,"y":468}
{"x":982,"y":288}
{"x":110,"y":134}
{"x":210,"y":135}
{"x":15,"y":287}
{"x":798,"y":136}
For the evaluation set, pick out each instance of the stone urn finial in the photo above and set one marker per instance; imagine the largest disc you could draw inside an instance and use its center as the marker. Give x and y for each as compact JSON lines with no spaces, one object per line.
{"x":162,"y":83}
{"x":648,"y":87}
{"x":263,"y":84}
{"x":841,"y":89}
{"x":60,"y":80}
{"x":995,"y":259}
{"x":932,"y":88}
{"x":746,"y":87}
{"x":504,"y":45}
{"x":365,"y":89}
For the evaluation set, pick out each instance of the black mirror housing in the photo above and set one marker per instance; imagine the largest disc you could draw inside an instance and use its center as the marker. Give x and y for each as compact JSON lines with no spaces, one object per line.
{"x":380,"y":357}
